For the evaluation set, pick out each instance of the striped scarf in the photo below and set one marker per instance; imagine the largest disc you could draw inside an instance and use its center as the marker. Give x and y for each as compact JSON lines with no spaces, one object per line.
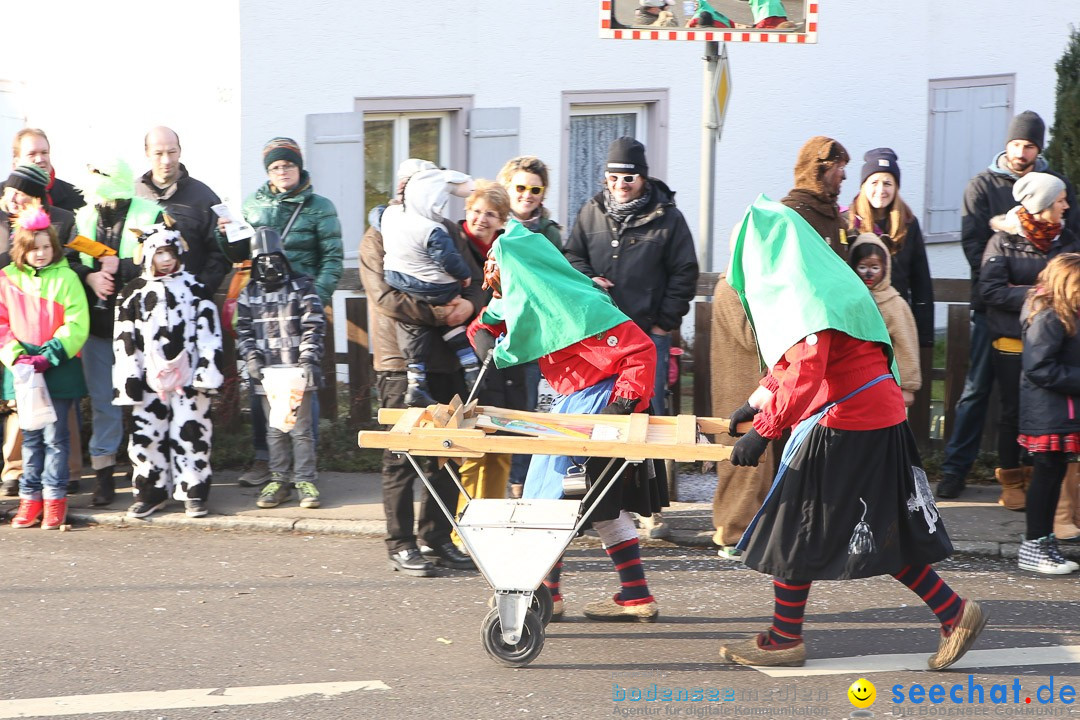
{"x":1039,"y":233}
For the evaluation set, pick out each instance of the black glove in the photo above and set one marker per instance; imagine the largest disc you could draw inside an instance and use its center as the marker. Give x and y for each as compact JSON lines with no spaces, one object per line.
{"x":620,"y":406}
{"x":740,"y":416}
{"x":483,"y":342}
{"x":749,"y":449}
{"x":254,"y":370}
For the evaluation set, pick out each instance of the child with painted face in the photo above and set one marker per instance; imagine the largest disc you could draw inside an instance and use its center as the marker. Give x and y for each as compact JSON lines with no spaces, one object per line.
{"x":600,"y":362}
{"x":44,"y":322}
{"x":871,"y":260}
{"x":280,"y":323}
{"x":167,"y":346}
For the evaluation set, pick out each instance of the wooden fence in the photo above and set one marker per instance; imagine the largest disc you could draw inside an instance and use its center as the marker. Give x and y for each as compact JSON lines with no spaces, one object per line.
{"x":696,"y":362}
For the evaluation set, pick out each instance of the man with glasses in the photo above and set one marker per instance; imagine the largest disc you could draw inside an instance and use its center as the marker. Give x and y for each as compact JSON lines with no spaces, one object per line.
{"x":311,"y":235}
{"x":633,"y":242}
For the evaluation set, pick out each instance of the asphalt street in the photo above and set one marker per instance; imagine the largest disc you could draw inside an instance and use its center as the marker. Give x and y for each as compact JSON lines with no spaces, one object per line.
{"x":139,"y":613}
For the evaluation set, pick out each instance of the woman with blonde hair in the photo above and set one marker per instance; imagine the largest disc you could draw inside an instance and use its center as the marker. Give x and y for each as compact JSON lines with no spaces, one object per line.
{"x":526,"y":180}
{"x":879,"y":209}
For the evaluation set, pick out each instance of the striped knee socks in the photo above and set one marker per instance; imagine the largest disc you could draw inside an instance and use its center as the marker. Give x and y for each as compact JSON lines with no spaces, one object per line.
{"x":627,"y":558}
{"x":934,"y":591}
{"x":552,"y":581}
{"x":789,"y":607}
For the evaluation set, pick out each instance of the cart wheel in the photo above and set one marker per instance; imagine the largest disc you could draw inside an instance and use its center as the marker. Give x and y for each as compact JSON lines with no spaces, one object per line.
{"x":542,"y":604}
{"x":519,"y":655}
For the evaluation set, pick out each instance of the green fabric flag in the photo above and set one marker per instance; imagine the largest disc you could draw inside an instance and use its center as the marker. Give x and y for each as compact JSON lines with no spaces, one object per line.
{"x":792,"y":284}
{"x":546,"y":304}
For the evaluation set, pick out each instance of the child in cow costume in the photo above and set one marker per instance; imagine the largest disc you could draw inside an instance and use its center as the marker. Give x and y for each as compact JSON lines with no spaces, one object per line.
{"x":167,"y":345}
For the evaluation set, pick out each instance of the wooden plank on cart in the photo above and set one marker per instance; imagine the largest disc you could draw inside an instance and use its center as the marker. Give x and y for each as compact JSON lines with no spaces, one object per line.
{"x":409,"y":420}
{"x":638,"y":428}
{"x":685,"y":430}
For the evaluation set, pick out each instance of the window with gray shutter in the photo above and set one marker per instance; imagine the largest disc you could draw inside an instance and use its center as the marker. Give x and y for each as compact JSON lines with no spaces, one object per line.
{"x":968,"y":121}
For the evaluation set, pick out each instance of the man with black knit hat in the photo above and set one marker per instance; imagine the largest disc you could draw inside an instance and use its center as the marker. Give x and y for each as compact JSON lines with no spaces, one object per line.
{"x":988,"y":194}
{"x":26,"y":186}
{"x":311,"y":236}
{"x":819,"y":173}
{"x":633,"y":242}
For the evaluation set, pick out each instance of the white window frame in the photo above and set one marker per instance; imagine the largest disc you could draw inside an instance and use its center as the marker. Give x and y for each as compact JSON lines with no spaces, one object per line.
{"x":454,"y":107}
{"x":651,"y":105}
{"x":401,"y":133}
{"x":1007,"y":79}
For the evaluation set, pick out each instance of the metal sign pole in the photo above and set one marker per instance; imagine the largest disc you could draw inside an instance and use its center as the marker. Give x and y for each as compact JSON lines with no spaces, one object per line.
{"x":709,"y":126}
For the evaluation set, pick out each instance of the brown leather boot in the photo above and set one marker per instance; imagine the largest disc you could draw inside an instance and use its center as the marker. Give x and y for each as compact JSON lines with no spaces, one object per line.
{"x":1013,"y":496}
{"x":1065,"y":518}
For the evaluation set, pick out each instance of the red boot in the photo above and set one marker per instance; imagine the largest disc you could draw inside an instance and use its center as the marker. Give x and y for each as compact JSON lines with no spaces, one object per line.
{"x":55,"y":514}
{"x":29,"y":513}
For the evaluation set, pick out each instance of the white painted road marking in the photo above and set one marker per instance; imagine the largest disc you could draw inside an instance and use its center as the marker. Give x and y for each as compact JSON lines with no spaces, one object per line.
{"x":175,"y":699}
{"x":864,"y":664}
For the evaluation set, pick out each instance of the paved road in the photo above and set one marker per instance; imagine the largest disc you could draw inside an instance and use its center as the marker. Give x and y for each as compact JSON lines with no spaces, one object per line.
{"x":139,"y":613}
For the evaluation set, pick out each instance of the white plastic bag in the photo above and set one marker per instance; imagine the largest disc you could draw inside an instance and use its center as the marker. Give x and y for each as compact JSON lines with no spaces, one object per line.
{"x":285,"y":391}
{"x":32,"y":399}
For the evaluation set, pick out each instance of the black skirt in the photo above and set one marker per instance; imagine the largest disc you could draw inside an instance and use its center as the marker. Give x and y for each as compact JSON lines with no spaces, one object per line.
{"x":642,"y":489}
{"x":852,"y":504}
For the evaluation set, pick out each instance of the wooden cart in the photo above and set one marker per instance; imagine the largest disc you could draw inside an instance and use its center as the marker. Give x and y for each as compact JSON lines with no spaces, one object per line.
{"x":515,"y":543}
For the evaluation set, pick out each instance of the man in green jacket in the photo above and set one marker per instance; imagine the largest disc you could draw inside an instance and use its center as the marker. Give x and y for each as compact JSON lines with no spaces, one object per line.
{"x":311,"y":233}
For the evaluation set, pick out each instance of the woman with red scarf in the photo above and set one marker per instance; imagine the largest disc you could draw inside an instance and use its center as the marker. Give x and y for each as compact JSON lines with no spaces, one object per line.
{"x":1026,"y":238}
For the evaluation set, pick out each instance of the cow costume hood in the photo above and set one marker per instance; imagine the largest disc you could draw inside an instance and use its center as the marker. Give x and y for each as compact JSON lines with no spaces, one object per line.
{"x":153,"y":239}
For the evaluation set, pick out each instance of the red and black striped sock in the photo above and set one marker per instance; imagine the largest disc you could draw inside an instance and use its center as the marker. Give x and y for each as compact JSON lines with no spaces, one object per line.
{"x":934,"y":591}
{"x":552,"y":581}
{"x":627,"y":558}
{"x":789,"y":606}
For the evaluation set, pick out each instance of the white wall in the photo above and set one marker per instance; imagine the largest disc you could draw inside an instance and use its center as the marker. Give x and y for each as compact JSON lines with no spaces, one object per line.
{"x":99,"y":80}
{"x":96,"y":79}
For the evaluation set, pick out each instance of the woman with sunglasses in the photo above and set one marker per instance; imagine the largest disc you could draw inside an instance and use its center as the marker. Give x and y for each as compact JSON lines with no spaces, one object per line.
{"x":878,"y":209}
{"x":525,"y":179}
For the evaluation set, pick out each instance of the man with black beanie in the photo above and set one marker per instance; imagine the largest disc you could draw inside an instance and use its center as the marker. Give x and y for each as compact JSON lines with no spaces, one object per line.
{"x":988,"y":194}
{"x":633,"y":242}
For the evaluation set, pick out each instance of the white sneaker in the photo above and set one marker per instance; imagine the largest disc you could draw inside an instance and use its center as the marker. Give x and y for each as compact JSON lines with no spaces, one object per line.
{"x":1042,"y":556}
{"x":730,"y":552}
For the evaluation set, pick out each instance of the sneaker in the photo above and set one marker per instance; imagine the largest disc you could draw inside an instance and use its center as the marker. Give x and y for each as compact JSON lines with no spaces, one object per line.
{"x":950,"y":487}
{"x":959,"y":640}
{"x":758,"y":652}
{"x":256,"y":476}
{"x":730,"y":552}
{"x":448,"y":555}
{"x":195,"y":508}
{"x":1055,"y":553}
{"x":276,"y":492}
{"x":1043,"y":556}
{"x":144,"y":509}
{"x":608,"y":610}
{"x":309,"y":494}
{"x":410,"y":562}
